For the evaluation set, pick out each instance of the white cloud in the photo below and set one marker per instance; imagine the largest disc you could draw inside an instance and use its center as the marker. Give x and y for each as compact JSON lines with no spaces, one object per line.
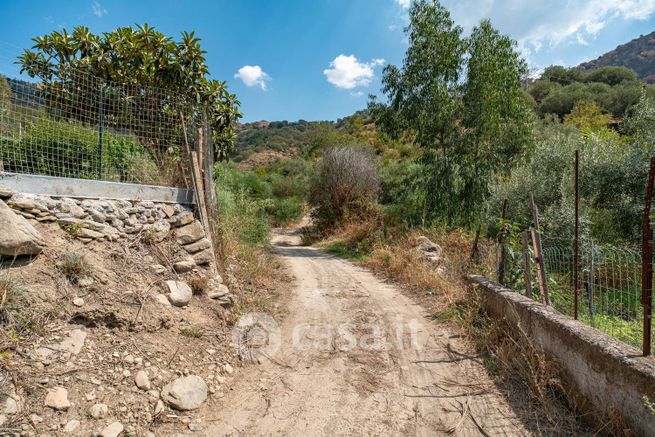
{"x":348,"y":72}
{"x":253,"y":75}
{"x":404,"y":3}
{"x":98,"y":9}
{"x":539,"y":26}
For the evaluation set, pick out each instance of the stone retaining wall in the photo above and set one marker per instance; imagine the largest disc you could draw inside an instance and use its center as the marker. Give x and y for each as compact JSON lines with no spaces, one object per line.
{"x":98,"y":219}
{"x":610,"y":375}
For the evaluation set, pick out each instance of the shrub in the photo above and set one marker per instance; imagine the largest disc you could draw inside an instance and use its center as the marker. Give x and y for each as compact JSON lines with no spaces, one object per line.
{"x":13,"y":305}
{"x":347,"y":186}
{"x":285,"y":210}
{"x":70,"y":149}
{"x":75,"y":267}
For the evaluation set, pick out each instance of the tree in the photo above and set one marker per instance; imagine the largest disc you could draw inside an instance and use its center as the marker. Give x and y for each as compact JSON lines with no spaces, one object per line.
{"x":138,"y":56}
{"x":470,"y":131}
{"x":612,"y":75}
{"x":562,"y":75}
{"x":587,"y":117}
{"x":541,"y":88}
{"x":422,"y":97}
{"x":496,"y":116}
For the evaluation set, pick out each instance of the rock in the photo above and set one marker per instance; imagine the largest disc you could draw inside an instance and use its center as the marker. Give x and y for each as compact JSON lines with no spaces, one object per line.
{"x":36,"y":418}
{"x":158,"y":269}
{"x":199,"y":245}
{"x":158,"y":230}
{"x":162,"y":299}
{"x":57,"y":399}
{"x":190,"y":233}
{"x":73,"y":343}
{"x":5,"y":191}
{"x":227,"y":368}
{"x":219,"y":291}
{"x":70,"y":206}
{"x":98,"y":411}
{"x":179,"y":293}
{"x":85,"y":282}
{"x":18,"y":237}
{"x":168,"y":210}
{"x":185,"y":265}
{"x":141,"y":380}
{"x":204,"y":257}
{"x":3,"y":419}
{"x":10,"y":406}
{"x":71,"y":426}
{"x":113,"y":430}
{"x":97,"y":215}
{"x":423,"y":243}
{"x":78,"y":301}
{"x":159,"y":407}
{"x":182,"y":219}
{"x":22,"y":201}
{"x":185,"y":393}
{"x":88,"y":233}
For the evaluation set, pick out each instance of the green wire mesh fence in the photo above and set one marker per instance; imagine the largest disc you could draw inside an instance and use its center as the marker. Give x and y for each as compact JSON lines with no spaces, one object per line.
{"x":610,"y":286}
{"x":77,"y":125}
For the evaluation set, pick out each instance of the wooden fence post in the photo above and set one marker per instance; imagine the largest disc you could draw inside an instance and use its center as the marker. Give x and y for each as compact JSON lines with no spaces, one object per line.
{"x":538,"y":255}
{"x":527,"y":275}
{"x":501,"y":243}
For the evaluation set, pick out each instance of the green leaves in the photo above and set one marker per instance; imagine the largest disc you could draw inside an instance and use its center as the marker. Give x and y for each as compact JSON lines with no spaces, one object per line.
{"x":139,"y":56}
{"x":462,"y":101}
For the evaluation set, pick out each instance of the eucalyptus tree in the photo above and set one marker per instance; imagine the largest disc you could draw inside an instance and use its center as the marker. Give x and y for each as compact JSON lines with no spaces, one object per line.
{"x":142,"y":57}
{"x":423,"y":102}
{"x":496,"y":116}
{"x":461,"y":100}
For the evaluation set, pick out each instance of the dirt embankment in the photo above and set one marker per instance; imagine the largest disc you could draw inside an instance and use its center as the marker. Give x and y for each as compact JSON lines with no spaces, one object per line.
{"x":90,"y":339}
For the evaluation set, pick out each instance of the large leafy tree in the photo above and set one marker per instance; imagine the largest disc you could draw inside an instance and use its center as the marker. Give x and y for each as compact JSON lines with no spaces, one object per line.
{"x":461,"y":100}
{"x":142,"y":57}
{"x":423,"y":102}
{"x":496,"y":115}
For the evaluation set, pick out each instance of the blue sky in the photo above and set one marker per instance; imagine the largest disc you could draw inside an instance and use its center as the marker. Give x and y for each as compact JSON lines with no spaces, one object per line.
{"x":319,"y":59}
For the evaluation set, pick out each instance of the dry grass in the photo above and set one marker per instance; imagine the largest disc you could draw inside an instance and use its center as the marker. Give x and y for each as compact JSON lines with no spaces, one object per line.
{"x":253,"y":274}
{"x":75,"y":267}
{"x":535,"y":384}
{"x":436,"y":286}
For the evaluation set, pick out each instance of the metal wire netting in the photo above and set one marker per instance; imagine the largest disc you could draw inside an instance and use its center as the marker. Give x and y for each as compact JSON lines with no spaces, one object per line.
{"x":80,"y":126}
{"x":610,"y":286}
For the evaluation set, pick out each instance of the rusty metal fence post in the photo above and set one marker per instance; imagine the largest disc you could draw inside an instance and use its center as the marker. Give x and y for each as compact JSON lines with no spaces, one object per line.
{"x":576,"y":238}
{"x":647,"y":262}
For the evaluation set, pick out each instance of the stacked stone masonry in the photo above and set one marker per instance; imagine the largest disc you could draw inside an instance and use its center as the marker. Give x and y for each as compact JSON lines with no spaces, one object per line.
{"x":100,"y":219}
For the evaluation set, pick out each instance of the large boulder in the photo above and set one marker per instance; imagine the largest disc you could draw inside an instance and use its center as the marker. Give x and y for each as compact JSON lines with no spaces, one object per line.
{"x":18,"y":236}
{"x":185,"y":393}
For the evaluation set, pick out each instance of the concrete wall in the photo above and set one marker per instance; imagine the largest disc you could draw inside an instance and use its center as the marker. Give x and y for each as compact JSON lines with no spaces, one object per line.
{"x":612,"y":376}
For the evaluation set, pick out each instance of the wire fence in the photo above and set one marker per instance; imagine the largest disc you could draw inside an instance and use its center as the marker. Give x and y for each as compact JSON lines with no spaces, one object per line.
{"x":609,"y":297}
{"x":77,"y":125}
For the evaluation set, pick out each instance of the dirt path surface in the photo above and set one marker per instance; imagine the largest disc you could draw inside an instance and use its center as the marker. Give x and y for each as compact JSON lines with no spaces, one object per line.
{"x":357,"y":357}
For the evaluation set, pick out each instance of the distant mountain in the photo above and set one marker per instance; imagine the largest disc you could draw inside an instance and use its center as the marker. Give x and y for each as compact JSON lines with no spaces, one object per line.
{"x":638,"y":55}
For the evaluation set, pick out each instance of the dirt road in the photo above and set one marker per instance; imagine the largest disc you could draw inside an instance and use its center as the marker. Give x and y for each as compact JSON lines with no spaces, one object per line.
{"x":356,"y":357}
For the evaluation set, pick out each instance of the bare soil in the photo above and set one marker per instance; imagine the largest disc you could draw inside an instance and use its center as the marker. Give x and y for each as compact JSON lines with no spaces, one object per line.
{"x":357,"y":357}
